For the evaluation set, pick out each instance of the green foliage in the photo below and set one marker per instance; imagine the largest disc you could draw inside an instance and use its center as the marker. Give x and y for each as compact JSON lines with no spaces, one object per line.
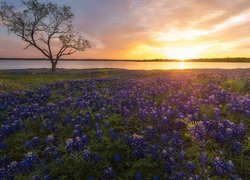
{"x":234,"y":85}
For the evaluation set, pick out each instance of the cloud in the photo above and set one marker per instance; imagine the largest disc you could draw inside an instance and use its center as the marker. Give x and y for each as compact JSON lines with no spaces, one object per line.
{"x":118,"y":28}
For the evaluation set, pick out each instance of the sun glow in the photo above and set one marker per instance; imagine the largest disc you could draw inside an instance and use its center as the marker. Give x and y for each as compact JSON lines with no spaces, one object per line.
{"x":183,"y":53}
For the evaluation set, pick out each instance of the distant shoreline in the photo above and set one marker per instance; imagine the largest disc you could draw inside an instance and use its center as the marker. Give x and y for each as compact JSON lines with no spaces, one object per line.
{"x":244,"y":60}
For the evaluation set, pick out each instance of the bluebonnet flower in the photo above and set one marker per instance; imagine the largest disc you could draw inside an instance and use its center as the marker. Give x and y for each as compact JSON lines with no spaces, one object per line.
{"x":117,"y":158}
{"x":3,"y":161}
{"x":3,"y":145}
{"x":217,"y":112}
{"x":35,"y":177}
{"x":236,"y":147}
{"x":154,"y":150}
{"x":56,"y":154}
{"x":77,"y":132}
{"x":138,"y":145}
{"x":191,"y":167}
{"x":12,"y":169}
{"x":2,"y":173}
{"x":50,"y":140}
{"x":87,"y":154}
{"x":59,"y":161}
{"x":150,"y":132}
{"x":165,"y":138}
{"x":96,"y":159}
{"x":229,"y":166}
{"x":99,"y":134}
{"x":29,"y":162}
{"x":77,"y":143}
{"x":139,"y":176}
{"x":203,"y":158}
{"x":179,"y":124}
{"x":182,"y":155}
{"x":219,"y":166}
{"x":108,"y":173}
{"x":176,"y":140}
{"x":156,"y":178}
{"x":112,"y":134}
{"x":48,"y":151}
{"x":98,"y":117}
{"x":47,"y":177}
{"x":69,"y":144}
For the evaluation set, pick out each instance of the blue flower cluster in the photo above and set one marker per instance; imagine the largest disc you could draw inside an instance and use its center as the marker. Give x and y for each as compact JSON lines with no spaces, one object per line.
{"x":169,"y":125}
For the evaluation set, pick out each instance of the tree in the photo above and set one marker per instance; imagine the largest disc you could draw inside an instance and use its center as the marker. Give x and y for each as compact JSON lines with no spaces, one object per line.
{"x":44,"y":26}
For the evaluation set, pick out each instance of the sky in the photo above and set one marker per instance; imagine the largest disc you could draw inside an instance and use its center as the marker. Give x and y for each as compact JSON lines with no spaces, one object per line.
{"x":152,"y":29}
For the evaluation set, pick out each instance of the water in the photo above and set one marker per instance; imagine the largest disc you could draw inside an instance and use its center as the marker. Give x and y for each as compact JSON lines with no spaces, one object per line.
{"x":26,"y":64}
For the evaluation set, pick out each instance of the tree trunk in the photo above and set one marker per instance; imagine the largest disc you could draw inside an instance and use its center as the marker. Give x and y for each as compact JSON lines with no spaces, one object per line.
{"x":54,"y":63}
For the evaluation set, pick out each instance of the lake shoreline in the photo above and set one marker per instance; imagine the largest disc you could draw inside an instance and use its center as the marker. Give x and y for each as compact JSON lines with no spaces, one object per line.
{"x":226,"y":60}
{"x":65,"y":70}
{"x":37,"y":64}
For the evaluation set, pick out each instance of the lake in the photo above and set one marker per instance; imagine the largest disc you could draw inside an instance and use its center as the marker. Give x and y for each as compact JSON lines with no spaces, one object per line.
{"x":26,"y":64}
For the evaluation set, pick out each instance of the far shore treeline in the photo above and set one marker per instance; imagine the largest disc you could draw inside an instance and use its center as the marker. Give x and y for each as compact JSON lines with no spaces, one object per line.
{"x":236,"y":59}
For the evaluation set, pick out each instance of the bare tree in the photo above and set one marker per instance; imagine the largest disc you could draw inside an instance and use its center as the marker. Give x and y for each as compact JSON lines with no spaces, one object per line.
{"x":44,"y":26}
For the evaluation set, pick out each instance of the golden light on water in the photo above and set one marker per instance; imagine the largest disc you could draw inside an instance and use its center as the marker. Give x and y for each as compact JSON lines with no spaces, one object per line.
{"x":182,"y":65}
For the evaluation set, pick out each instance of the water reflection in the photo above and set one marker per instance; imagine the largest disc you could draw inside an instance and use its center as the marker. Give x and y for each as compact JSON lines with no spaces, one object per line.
{"x":182,"y":64}
{"x":25,"y":64}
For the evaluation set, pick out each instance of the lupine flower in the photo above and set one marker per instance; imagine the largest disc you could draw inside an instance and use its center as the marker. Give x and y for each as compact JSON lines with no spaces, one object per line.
{"x":112,"y":134}
{"x":96,"y":159}
{"x":203,"y":158}
{"x":117,"y":158}
{"x":182,"y":155}
{"x":219,"y":166}
{"x":69,"y":144}
{"x":35,"y":177}
{"x":50,"y":139}
{"x":29,"y":162}
{"x":99,"y":134}
{"x":108,"y":172}
{"x":216,"y":112}
{"x":3,"y":145}
{"x":236,"y":147}
{"x":2,"y":173}
{"x":87,"y":154}
{"x":229,"y":166}
{"x":191,"y":166}
{"x":138,"y":145}
{"x":156,"y":178}
{"x":12,"y":169}
{"x":139,"y":176}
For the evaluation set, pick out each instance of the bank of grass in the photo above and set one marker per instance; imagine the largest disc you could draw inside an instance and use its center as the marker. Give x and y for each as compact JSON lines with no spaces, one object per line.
{"x":12,"y":80}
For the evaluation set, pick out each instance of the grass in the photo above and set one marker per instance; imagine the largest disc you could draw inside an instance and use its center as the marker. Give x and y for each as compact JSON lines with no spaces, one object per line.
{"x":11,"y":80}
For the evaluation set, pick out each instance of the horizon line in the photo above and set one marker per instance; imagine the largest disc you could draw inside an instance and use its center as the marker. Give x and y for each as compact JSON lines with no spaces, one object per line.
{"x":116,"y":59}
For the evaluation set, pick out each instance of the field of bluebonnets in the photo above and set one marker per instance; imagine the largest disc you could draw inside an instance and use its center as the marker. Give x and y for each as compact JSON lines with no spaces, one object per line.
{"x":126,"y":125}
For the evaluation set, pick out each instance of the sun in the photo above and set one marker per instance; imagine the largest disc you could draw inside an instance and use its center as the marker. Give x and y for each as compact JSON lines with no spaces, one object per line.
{"x":183,"y":53}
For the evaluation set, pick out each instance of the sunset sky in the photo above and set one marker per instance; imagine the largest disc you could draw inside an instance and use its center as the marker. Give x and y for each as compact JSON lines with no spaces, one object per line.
{"x":149,"y":29}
